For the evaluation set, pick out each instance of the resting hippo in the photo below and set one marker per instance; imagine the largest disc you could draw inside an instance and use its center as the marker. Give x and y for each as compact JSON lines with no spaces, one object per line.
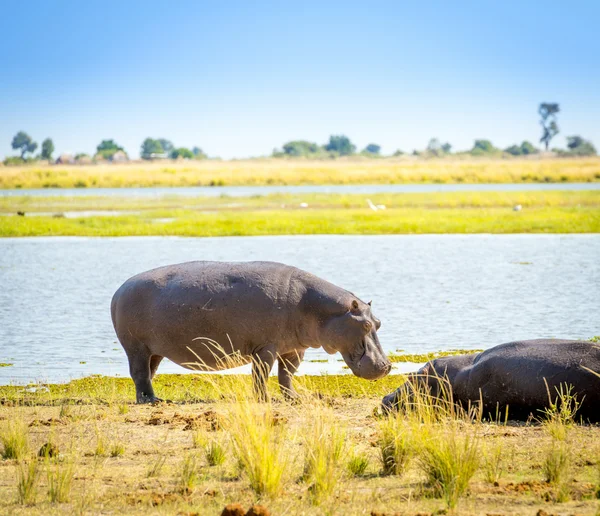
{"x":261,"y":310}
{"x":520,"y":375}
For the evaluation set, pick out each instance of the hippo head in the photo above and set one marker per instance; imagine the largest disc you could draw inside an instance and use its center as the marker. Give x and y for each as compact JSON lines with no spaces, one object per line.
{"x":354,"y":335}
{"x":425,"y":381}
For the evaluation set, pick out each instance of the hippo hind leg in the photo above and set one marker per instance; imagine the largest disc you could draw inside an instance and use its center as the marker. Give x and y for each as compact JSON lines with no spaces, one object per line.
{"x":142,"y":367}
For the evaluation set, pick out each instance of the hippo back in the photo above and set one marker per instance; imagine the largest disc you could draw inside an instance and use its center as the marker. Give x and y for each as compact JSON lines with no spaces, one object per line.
{"x":525,"y":375}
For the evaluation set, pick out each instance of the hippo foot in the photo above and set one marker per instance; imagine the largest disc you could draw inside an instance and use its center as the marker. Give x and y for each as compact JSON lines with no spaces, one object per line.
{"x":143,"y":399}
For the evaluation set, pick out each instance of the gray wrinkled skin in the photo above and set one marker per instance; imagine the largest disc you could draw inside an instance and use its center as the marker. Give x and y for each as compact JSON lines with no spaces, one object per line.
{"x":520,"y":375}
{"x":262,"y":310}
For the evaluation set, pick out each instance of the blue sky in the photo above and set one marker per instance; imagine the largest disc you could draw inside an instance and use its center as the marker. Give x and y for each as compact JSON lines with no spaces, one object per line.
{"x":240,"y":78}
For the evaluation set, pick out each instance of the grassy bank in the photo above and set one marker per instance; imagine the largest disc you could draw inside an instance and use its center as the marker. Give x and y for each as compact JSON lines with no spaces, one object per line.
{"x":329,"y":454}
{"x":285,"y":172}
{"x":468,"y":212}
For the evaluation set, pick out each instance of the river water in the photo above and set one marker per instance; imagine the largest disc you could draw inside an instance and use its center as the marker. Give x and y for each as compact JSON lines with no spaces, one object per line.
{"x":246,"y":191}
{"x":432,"y":292}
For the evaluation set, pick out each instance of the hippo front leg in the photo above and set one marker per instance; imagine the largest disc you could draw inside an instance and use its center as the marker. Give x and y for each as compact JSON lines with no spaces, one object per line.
{"x":262,"y":364}
{"x":287,"y":365}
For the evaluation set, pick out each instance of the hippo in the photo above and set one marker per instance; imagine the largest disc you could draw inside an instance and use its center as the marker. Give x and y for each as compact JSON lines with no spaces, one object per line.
{"x":521,"y":377}
{"x":206,"y":315}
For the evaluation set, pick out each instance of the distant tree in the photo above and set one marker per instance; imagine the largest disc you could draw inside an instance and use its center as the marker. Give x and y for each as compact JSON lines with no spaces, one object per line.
{"x":197,"y":152}
{"x":483,"y":147}
{"x":300,"y":148}
{"x":548,"y":113}
{"x":524,"y":149}
{"x":340,"y":144}
{"x":23,"y":142}
{"x":437,"y":148}
{"x":47,"y":148}
{"x":167,"y":146}
{"x":515,"y":150}
{"x":182,"y":152}
{"x":107,"y":148}
{"x":151,"y":146}
{"x":80,"y":155}
{"x":372,"y":148}
{"x":528,"y":148}
{"x":579,"y":147}
{"x":398,"y":153}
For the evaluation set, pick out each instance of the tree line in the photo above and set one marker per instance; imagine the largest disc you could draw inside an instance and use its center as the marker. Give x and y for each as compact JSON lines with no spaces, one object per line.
{"x":338,"y":145}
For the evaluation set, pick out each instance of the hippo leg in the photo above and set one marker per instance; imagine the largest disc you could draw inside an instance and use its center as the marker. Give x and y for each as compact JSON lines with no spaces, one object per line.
{"x":141,"y":374}
{"x":262,"y":363}
{"x":287,"y":365}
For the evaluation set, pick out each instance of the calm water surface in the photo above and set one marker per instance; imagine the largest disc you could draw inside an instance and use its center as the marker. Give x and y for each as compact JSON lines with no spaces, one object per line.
{"x":245,"y":191}
{"x":431,"y":292}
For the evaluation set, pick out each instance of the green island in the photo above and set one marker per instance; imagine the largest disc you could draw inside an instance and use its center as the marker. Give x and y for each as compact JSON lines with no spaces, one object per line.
{"x":287,"y":214}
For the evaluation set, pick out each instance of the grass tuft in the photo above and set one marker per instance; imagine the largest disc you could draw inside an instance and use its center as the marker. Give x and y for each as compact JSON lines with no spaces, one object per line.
{"x":324,"y":445}
{"x":395,"y":444}
{"x":60,"y":480}
{"x":27,"y":481}
{"x":188,"y":473}
{"x":449,"y":461}
{"x":557,"y":462}
{"x":494,"y":463}
{"x":15,"y":439}
{"x":357,"y":464}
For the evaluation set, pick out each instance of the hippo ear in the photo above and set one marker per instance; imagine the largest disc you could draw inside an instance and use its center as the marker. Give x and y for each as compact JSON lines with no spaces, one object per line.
{"x":369,"y":303}
{"x":354,"y":305}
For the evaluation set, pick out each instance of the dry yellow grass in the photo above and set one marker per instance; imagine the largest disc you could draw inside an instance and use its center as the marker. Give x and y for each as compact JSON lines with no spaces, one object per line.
{"x":122,"y":485}
{"x":288,"y":172}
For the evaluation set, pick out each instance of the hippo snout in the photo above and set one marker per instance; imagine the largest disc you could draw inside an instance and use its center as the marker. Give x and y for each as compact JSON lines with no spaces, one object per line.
{"x":373,"y":370}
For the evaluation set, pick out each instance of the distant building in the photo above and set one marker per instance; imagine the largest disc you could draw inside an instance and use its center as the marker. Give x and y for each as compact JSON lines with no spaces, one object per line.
{"x":65,"y":159}
{"x":83,"y":160}
{"x":119,"y":157}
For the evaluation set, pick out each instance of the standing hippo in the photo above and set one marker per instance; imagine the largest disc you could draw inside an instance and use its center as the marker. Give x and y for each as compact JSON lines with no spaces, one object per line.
{"x":256,"y":311}
{"x":522,"y":377}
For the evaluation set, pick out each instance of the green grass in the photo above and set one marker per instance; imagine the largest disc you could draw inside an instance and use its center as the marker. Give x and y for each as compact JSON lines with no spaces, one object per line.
{"x":4,"y":364}
{"x":187,"y":388}
{"x":582,"y":219}
{"x":426,"y":357}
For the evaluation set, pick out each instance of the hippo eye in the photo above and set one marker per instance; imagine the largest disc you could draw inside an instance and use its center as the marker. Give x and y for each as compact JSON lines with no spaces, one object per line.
{"x":377,"y":323}
{"x":367,"y":326}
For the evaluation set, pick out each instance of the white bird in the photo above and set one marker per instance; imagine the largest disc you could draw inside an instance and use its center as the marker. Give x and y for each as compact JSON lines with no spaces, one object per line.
{"x":375,"y":207}
{"x":371,"y":205}
{"x":303,"y":205}
{"x":518,"y":207}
